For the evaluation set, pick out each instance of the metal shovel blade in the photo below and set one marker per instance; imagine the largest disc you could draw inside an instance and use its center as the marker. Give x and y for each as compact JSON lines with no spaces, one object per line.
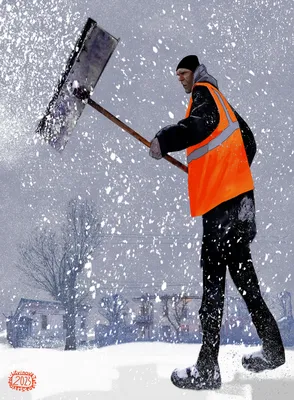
{"x":84,"y":67}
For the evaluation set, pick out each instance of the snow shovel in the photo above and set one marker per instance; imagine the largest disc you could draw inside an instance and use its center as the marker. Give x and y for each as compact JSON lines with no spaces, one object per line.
{"x":84,"y":67}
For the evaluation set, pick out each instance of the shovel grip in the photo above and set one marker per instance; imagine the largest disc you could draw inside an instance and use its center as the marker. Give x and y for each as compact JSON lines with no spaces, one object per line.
{"x":135,"y":134}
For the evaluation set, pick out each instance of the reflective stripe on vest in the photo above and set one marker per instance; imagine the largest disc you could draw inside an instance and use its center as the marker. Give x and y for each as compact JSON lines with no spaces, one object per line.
{"x":232,"y":127}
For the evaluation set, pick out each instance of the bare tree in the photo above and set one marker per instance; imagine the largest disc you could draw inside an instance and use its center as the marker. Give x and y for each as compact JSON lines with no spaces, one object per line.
{"x":114,"y":309}
{"x":54,"y":263}
{"x":175,"y":310}
{"x":145,"y":318}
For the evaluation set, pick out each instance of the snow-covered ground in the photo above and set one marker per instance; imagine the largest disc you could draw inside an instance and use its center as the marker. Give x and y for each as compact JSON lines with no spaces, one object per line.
{"x":137,"y":371}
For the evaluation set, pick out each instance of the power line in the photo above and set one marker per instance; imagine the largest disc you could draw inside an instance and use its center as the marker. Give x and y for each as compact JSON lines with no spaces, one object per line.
{"x":150,"y":239}
{"x":143,"y":235}
{"x":143,"y":287}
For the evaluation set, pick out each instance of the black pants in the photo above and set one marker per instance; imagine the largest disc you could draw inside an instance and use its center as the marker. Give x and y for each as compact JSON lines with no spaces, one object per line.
{"x":227,"y":234}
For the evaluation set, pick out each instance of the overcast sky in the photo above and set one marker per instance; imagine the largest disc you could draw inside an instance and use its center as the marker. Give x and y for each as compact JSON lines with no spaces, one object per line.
{"x":149,"y":236}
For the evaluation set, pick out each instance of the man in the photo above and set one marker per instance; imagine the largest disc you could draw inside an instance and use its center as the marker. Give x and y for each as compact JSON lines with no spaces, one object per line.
{"x":220,"y":149}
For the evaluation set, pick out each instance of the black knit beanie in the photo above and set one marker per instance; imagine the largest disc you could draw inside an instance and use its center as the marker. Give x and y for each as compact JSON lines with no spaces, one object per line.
{"x":189,"y":62}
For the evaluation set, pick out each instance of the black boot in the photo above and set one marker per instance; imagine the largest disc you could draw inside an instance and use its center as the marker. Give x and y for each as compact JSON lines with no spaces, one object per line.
{"x":197,"y":379}
{"x":265,"y":359}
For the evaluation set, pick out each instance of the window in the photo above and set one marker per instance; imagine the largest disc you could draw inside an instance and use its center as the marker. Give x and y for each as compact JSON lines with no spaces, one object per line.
{"x":44,"y":321}
{"x":184,"y":328}
{"x":83,"y":322}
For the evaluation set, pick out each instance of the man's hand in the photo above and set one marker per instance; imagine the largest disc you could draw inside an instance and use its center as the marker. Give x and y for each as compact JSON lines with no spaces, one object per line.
{"x":155,"y":150}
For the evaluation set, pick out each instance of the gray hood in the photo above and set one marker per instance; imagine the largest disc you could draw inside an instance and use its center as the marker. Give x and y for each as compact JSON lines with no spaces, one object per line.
{"x":201,"y":75}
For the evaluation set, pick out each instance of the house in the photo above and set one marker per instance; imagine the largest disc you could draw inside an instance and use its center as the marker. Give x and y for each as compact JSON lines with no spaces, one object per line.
{"x":170,"y":317}
{"x":154,"y":313}
{"x":40,"y":323}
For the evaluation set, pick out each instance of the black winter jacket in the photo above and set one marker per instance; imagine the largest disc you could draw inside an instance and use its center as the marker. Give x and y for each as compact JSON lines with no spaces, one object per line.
{"x":202,"y":121}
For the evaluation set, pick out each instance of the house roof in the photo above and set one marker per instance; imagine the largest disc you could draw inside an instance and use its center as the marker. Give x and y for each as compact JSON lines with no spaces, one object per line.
{"x":32,"y":306}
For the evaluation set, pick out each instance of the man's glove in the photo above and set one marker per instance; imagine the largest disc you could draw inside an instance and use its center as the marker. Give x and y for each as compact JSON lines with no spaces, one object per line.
{"x":155,"y":150}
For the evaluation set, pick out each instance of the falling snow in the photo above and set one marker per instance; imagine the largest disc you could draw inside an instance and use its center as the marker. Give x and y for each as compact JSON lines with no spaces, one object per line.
{"x":149,"y":244}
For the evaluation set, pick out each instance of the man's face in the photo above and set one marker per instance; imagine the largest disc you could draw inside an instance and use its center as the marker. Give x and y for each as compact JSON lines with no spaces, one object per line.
{"x":186,"y":77}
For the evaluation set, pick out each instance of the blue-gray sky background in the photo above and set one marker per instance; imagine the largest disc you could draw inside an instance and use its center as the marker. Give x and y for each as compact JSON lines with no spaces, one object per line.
{"x":150,"y":238}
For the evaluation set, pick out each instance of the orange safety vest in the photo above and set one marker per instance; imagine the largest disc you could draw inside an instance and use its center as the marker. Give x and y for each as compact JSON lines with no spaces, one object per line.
{"x":218,"y":168}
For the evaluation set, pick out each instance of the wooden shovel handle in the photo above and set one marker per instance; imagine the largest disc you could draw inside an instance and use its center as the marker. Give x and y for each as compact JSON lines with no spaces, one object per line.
{"x":136,"y":135}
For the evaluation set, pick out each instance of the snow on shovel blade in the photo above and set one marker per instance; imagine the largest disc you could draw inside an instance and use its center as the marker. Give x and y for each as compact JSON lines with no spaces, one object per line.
{"x":83,"y":69}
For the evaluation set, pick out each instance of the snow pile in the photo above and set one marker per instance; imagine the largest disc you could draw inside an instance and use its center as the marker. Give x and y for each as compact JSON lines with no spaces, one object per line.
{"x":137,"y":370}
